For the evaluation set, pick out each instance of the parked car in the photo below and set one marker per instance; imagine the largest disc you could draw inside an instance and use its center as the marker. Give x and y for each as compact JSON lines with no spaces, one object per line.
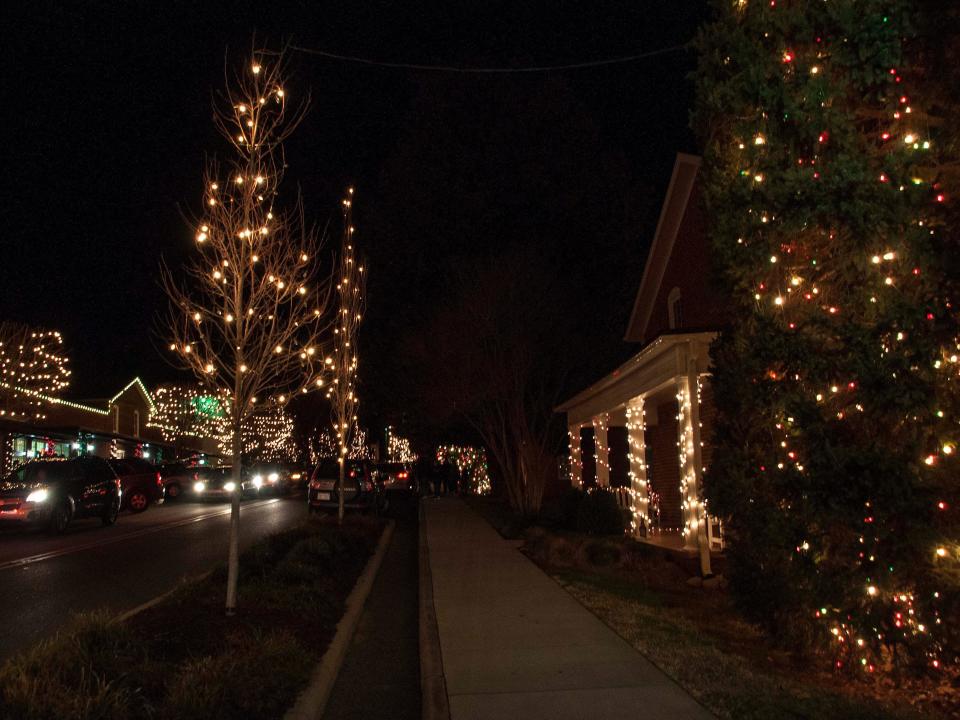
{"x":217,"y":483}
{"x":397,"y":476}
{"x":177,"y":479}
{"x":56,"y":491}
{"x":362,"y":490}
{"x":140,"y":482}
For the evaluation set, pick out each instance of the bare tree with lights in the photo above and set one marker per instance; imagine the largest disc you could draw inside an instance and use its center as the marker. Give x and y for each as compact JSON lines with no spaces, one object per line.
{"x":32,"y":365}
{"x":249,"y":313}
{"x":351,"y":294}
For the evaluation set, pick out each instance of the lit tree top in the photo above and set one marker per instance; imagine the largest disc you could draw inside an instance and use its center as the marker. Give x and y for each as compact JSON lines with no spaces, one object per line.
{"x":342,"y":366}
{"x":251,"y":312}
{"x":191,"y":411}
{"x":32,"y":365}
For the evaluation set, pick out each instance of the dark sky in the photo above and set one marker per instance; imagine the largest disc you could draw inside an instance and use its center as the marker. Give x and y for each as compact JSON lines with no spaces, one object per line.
{"x":107,"y":122}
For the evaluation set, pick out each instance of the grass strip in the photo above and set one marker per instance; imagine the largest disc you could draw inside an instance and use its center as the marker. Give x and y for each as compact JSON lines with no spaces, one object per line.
{"x":183,"y":658}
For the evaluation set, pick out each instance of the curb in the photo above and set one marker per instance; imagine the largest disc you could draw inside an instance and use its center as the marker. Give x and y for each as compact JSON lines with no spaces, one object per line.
{"x":434,"y":704}
{"x":123,"y":617}
{"x":313,"y":700}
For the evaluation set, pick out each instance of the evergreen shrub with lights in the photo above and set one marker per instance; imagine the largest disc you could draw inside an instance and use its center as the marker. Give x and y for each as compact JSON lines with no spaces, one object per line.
{"x":830,"y":180}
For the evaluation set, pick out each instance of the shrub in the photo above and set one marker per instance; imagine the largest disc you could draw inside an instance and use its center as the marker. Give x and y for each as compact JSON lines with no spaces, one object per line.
{"x":601,"y":553}
{"x":560,"y":552}
{"x":599,"y":514}
{"x":570,"y":507}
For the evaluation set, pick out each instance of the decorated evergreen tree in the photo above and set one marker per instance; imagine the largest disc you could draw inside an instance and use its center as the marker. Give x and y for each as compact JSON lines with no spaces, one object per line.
{"x":828,"y":166}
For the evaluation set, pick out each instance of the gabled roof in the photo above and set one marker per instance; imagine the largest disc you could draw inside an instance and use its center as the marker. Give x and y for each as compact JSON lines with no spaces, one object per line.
{"x":671,"y":216}
{"x":136,"y":383}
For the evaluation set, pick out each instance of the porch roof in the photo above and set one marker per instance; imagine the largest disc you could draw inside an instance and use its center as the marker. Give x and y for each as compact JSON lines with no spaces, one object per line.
{"x":657,"y":364}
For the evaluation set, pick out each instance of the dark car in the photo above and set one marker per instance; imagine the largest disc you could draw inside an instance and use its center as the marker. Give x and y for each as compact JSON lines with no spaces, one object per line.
{"x":362,"y":490}
{"x":177,"y":479}
{"x":397,"y":476}
{"x":53,"y":492}
{"x":217,"y":483}
{"x":140,"y":483}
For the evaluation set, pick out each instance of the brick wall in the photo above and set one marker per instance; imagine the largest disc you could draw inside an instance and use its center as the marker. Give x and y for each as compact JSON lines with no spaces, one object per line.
{"x":663,"y":468}
{"x":689,"y":269}
{"x":619,"y":464}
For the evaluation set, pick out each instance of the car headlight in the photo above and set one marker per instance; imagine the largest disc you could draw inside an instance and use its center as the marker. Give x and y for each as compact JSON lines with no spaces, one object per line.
{"x":198,"y":487}
{"x":257,"y":481}
{"x":230,"y":486}
{"x":273,"y":477}
{"x":38,"y":496}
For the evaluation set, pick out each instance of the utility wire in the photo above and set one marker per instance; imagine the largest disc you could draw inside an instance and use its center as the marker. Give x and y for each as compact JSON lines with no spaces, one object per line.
{"x":487,"y":70}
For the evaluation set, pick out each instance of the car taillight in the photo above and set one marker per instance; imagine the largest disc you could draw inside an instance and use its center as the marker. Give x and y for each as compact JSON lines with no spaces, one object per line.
{"x":159,"y":480}
{"x":402,"y":476}
{"x":353,"y":473}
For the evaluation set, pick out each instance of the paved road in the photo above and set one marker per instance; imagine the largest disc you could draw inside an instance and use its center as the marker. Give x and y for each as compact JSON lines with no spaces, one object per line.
{"x":380,"y":677}
{"x":43,"y":579}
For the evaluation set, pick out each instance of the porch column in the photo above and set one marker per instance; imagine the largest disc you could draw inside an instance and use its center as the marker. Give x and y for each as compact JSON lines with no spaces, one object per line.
{"x":576,"y":461}
{"x":637,"y":455}
{"x":602,"y":451}
{"x":691,"y":464}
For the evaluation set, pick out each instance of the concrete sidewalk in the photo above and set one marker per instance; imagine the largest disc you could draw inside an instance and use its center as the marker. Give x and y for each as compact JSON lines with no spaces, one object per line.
{"x":516,"y":645}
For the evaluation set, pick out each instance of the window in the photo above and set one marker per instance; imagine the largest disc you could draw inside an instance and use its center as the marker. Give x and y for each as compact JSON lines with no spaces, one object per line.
{"x":675,"y":309}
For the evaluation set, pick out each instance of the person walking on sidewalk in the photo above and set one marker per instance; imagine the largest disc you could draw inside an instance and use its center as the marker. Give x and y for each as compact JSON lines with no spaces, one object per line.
{"x":451,"y":477}
{"x":437,"y":476}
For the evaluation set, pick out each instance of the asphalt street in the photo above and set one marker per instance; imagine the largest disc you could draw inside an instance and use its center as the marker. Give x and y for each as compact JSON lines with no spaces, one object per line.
{"x":44,"y":579}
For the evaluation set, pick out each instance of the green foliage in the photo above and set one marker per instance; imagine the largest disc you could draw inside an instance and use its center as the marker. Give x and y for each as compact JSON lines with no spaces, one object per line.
{"x":833,"y":228}
{"x":570,"y":501}
{"x":599,"y":514}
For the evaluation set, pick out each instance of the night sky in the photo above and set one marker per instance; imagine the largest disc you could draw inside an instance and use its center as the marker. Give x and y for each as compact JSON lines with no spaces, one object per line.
{"x":107,"y":124}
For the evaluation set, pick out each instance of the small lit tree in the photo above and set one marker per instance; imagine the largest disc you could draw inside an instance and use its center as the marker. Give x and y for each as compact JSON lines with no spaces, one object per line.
{"x":32,"y":364}
{"x":351,"y":294}
{"x":191,"y":411}
{"x":251,"y":311}
{"x":268,"y":434}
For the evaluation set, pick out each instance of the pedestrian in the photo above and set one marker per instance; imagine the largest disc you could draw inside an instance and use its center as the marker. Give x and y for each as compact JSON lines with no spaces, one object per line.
{"x":437,"y":476}
{"x":451,"y":477}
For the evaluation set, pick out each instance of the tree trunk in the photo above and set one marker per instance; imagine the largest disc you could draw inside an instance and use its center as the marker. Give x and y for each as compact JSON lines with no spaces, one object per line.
{"x":233,"y":562}
{"x":340,"y":508}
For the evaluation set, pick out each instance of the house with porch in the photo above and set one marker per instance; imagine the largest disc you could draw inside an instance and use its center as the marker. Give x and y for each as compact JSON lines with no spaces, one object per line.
{"x":642,"y":430}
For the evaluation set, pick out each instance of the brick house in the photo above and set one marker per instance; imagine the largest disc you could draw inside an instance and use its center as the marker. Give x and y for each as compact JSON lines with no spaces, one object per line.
{"x":110,"y":427}
{"x":641,"y":429}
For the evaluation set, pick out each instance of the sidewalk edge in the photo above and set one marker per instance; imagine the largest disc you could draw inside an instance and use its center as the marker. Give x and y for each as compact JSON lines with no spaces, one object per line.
{"x":434,"y":703}
{"x":313,"y":700}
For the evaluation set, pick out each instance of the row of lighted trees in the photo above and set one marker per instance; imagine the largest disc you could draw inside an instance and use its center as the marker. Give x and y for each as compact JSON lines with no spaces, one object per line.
{"x":256,"y":315}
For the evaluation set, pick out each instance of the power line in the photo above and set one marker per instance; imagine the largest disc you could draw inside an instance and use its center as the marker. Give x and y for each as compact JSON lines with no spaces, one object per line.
{"x":488,"y":70}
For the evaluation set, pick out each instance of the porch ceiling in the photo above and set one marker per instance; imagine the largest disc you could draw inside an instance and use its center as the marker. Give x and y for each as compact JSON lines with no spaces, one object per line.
{"x":654,"y":367}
